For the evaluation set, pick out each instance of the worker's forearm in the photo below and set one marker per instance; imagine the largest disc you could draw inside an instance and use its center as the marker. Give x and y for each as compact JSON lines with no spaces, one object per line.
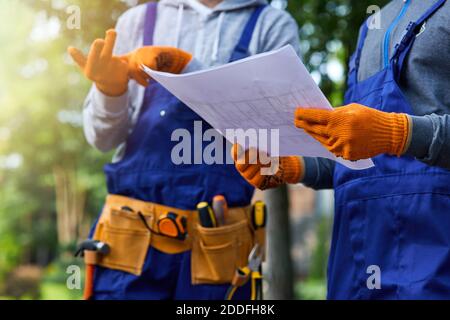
{"x":318,"y":173}
{"x":106,"y":120}
{"x":430,"y":140}
{"x":430,"y":144}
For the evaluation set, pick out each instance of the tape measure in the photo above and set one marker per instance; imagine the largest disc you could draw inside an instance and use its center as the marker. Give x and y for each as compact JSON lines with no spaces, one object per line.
{"x":173,"y":226}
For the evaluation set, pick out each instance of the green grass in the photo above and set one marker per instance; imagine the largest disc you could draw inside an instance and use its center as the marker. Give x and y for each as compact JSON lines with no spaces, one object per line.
{"x":53,"y":290}
{"x":57,"y":291}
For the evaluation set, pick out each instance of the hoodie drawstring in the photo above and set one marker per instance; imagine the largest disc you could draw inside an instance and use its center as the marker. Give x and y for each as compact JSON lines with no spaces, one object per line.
{"x":179,"y":24}
{"x":215,"y":53}
{"x":216,"y":46}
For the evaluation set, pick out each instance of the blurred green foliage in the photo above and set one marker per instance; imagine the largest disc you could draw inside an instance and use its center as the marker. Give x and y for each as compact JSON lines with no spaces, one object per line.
{"x":319,"y":257}
{"x":41,"y":93}
{"x":328,"y":33}
{"x":40,"y":125}
{"x":311,"y":289}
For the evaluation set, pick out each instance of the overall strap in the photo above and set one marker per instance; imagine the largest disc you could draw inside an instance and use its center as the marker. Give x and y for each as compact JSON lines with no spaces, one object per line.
{"x":150,"y":21}
{"x":403,"y":48}
{"x":356,"y":58}
{"x":241,"y":50}
{"x":430,"y":12}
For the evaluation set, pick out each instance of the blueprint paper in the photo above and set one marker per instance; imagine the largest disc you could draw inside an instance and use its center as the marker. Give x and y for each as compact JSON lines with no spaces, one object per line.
{"x":260,"y":92}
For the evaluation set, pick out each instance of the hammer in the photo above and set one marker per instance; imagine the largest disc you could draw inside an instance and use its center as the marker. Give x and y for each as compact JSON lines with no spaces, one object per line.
{"x":91,"y":250}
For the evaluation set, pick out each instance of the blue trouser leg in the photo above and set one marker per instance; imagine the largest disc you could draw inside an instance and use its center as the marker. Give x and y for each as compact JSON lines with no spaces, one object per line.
{"x":157,"y":281}
{"x":164,"y":277}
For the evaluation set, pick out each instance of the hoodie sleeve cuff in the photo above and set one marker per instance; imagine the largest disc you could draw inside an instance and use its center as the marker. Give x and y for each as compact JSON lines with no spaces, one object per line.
{"x":192,"y":66}
{"x":109,"y":106}
{"x":311,"y":171}
{"x":421,"y":138}
{"x":319,"y":173}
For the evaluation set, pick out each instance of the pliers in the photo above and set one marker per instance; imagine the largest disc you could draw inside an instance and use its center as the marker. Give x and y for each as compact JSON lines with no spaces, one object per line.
{"x":252,"y":271}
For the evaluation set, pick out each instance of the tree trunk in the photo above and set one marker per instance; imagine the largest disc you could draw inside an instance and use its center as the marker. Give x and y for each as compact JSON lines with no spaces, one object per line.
{"x":279,"y":273}
{"x":70,"y":200}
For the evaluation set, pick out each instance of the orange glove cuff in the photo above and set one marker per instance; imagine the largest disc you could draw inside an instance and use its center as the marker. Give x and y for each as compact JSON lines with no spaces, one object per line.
{"x":290,"y":169}
{"x":392,"y":131}
{"x":293,"y":168}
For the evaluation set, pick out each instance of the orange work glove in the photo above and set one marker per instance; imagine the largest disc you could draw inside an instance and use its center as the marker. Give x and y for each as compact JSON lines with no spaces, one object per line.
{"x":290,"y":169}
{"x":165,"y":59}
{"x":356,"y":132}
{"x":110,"y":73}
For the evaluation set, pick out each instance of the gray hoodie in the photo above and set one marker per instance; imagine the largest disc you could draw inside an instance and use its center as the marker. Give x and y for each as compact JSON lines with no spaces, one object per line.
{"x":209,"y":34}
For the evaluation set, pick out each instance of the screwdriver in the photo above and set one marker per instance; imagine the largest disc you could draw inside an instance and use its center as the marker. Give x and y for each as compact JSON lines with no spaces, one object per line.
{"x":220,"y":208}
{"x":206,"y":215}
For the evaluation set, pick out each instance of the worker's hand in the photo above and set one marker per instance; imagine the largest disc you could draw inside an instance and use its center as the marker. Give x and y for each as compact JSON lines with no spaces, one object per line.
{"x":252,"y":166}
{"x":110,"y":73}
{"x":165,"y":59}
{"x":356,"y":132}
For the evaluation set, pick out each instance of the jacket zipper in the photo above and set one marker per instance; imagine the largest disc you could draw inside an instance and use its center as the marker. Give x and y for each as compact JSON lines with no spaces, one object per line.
{"x":387,"y":36}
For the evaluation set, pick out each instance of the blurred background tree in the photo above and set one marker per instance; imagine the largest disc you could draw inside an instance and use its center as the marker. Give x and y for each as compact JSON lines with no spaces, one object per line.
{"x":51,"y":182}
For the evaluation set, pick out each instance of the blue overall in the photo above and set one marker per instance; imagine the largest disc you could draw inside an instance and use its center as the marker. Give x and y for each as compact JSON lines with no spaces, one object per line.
{"x":395,"y":216}
{"x":148,"y":173}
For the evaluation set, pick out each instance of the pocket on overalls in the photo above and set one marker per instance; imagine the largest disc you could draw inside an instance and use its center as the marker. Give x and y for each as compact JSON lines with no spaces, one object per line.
{"x":218,"y":252}
{"x":128,"y":239}
{"x":374,"y":235}
{"x":424,"y":247}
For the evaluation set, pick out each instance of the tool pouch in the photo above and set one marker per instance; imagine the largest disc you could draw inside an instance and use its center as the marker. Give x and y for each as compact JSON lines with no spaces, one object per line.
{"x":127,"y":237}
{"x":218,"y":252}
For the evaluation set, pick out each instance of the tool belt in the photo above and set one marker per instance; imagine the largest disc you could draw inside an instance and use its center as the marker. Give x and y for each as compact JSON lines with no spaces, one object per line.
{"x":130,"y":227}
